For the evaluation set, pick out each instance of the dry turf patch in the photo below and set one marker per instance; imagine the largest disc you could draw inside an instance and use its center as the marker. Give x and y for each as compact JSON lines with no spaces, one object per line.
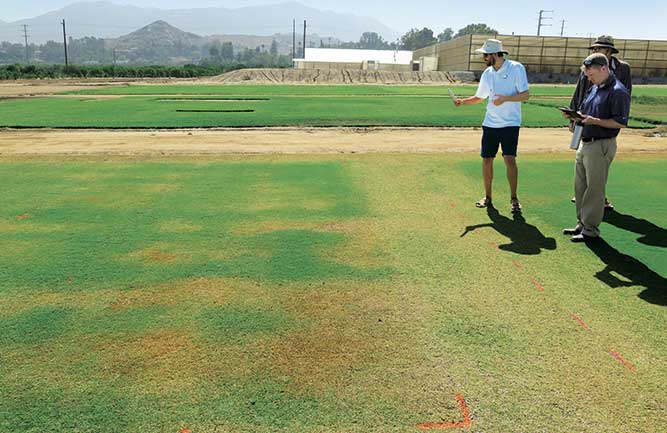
{"x":381,"y":309}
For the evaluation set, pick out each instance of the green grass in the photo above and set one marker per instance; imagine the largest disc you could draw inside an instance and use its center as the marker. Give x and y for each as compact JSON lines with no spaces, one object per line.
{"x":325,"y":293}
{"x":151,"y":112}
{"x":280,"y":105}
{"x":333,"y":90}
{"x":644,"y":109}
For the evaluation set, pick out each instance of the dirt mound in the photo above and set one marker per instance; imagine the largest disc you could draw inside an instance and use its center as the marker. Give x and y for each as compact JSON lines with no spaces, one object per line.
{"x":334,"y":76}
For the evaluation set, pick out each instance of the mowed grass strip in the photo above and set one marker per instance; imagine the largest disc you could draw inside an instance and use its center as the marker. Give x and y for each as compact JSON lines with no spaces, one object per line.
{"x":537,"y":90}
{"x":146,"y":112}
{"x":325,"y":293}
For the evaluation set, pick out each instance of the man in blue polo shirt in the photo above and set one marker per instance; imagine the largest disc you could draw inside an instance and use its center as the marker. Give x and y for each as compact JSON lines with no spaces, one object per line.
{"x":505,"y":84}
{"x":605,"y":112}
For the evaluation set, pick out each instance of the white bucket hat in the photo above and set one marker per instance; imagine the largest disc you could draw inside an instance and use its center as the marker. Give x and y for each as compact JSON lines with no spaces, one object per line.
{"x":491,"y":46}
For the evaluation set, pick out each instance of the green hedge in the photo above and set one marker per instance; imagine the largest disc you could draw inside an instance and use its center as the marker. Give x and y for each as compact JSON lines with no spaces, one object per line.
{"x":14,"y":72}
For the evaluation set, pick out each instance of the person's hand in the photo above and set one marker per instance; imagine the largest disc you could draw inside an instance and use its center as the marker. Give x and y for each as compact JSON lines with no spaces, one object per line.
{"x":571,"y":127}
{"x":458,"y":102}
{"x":499,"y":100}
{"x":565,"y":115}
{"x":590,"y":120}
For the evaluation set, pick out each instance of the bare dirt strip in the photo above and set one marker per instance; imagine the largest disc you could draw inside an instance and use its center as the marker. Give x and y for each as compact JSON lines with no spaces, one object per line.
{"x":294,"y":141}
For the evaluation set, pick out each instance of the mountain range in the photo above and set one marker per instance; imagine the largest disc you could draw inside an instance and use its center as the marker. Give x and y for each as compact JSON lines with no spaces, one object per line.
{"x":163,"y":34}
{"x":109,"y":20}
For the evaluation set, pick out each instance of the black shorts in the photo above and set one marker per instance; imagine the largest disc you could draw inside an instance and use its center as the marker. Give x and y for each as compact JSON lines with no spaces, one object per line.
{"x":507,"y":137}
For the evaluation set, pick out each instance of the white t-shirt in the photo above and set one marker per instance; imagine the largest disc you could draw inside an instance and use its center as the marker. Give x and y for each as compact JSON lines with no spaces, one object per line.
{"x":509,"y":80}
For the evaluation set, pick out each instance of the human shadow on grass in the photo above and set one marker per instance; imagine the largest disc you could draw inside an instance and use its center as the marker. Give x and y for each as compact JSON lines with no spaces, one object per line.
{"x":636,"y":272}
{"x":652,"y":234}
{"x":525,"y":238}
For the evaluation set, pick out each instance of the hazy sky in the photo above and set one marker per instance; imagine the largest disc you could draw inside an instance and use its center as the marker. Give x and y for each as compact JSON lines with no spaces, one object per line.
{"x":641,"y":19}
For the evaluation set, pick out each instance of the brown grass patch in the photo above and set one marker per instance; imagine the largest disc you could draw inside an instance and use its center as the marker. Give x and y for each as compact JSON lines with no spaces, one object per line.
{"x":157,"y":254}
{"x":179,"y":227}
{"x":160,"y":360}
{"x":11,"y":226}
{"x":158,"y":187}
{"x":197,"y":292}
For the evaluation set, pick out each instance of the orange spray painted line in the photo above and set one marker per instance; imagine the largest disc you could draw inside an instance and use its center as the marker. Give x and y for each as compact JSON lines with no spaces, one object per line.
{"x":623,"y":361}
{"x":443,"y":425}
{"x":537,"y":285}
{"x":579,"y":321}
{"x":517,"y":264}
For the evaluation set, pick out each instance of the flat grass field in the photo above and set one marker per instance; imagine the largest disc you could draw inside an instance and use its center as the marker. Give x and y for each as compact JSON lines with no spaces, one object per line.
{"x":203,"y":106}
{"x":327,"y":293}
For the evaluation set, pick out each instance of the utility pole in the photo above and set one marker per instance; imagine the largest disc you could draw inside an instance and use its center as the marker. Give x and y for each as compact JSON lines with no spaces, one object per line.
{"x":542,"y":18}
{"x":25,"y":35}
{"x":562,"y":27}
{"x":293,"y":39}
{"x":304,"y":39}
{"x":65,"y":44}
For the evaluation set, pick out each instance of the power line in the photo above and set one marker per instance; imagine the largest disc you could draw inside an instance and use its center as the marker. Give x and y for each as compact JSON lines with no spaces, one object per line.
{"x":562,"y":27}
{"x":542,"y":18}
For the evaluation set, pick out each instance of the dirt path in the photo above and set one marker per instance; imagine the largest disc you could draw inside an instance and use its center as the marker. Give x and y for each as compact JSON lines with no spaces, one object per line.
{"x":292,"y":141}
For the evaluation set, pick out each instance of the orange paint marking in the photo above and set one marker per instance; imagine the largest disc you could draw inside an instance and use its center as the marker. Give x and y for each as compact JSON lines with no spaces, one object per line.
{"x":23,"y":217}
{"x":517,"y":264}
{"x":493,"y":245}
{"x":623,"y":361}
{"x":452,"y":205}
{"x":396,"y":276}
{"x":579,"y":321}
{"x":537,"y":285}
{"x":442,"y":425}
{"x":185,"y":430}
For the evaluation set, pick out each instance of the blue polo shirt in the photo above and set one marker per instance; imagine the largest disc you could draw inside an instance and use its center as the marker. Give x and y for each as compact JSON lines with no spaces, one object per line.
{"x":509,"y":80}
{"x":609,"y":100}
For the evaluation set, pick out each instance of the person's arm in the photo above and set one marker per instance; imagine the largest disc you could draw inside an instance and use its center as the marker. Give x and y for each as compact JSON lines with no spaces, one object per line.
{"x":626,"y":79}
{"x":605,"y":123}
{"x":472,"y":100}
{"x":520,"y":87}
{"x":519,"y":97}
{"x":579,"y":92}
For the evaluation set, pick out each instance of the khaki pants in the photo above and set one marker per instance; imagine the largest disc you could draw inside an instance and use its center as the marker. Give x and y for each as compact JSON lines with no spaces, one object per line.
{"x":591,"y":172}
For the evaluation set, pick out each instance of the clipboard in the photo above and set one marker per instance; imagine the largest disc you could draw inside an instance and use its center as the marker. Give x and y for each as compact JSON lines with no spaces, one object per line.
{"x":574,"y":114}
{"x":452,"y":95}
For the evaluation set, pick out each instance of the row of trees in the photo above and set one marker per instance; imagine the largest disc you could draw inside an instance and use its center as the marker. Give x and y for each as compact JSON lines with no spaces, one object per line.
{"x":17,"y":71}
{"x":415,"y":38}
{"x":92,"y":50}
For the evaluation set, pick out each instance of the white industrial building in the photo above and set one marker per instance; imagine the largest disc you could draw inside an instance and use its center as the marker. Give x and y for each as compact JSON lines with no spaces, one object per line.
{"x":377,"y":60}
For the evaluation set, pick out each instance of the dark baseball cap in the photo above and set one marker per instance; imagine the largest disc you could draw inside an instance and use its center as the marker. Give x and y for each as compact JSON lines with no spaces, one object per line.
{"x":598,"y":59}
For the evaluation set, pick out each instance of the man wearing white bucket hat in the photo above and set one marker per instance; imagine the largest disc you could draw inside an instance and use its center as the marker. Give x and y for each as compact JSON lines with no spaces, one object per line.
{"x":505,"y":84}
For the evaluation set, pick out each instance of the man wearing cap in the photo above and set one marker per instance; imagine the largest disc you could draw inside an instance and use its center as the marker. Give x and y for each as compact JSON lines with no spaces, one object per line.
{"x":605,"y":45}
{"x":505,"y":84}
{"x":605,"y":112}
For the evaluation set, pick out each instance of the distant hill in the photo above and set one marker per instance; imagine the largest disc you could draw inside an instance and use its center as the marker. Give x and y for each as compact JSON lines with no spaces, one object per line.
{"x":163,"y":34}
{"x":109,"y":20}
{"x":157,"y":34}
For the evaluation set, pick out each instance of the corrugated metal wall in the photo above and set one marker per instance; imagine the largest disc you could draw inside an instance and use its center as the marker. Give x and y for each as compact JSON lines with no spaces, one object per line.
{"x":648,"y":58}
